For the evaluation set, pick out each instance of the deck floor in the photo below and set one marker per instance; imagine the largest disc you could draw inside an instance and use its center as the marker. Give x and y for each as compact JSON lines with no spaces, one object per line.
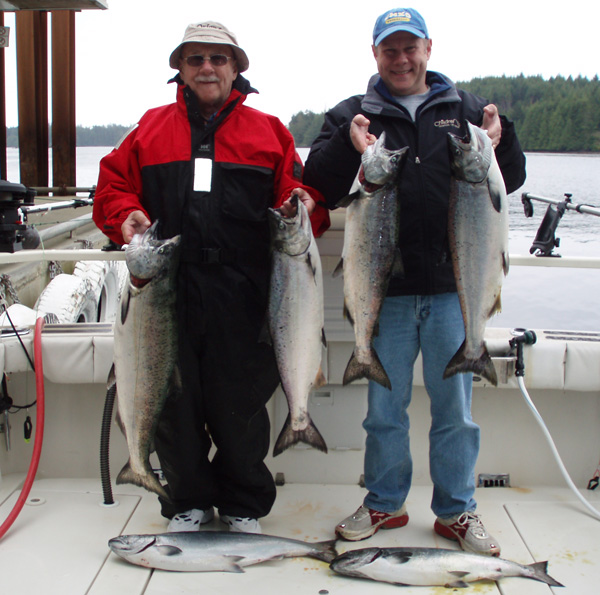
{"x":58,"y":544}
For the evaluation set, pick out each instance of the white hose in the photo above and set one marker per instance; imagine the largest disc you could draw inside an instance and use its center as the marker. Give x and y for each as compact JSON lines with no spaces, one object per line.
{"x":561,"y":466}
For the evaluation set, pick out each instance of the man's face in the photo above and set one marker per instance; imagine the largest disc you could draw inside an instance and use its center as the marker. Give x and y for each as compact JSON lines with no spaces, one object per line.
{"x":402,"y":62}
{"x":211,"y":84}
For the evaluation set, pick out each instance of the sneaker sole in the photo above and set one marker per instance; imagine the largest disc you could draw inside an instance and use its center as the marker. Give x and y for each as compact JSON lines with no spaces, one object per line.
{"x":393,"y":523}
{"x":446,"y":532}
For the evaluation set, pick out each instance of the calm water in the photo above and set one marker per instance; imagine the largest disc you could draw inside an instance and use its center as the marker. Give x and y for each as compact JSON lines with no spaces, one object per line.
{"x":532,"y":297}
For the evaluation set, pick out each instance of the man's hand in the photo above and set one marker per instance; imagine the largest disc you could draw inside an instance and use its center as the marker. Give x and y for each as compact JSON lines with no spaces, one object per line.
{"x":287,"y":209}
{"x":491,"y":124}
{"x":136,"y":222}
{"x":359,"y":133}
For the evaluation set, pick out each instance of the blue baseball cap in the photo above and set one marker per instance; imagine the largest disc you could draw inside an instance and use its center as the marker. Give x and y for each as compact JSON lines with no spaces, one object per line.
{"x":399,"y":19}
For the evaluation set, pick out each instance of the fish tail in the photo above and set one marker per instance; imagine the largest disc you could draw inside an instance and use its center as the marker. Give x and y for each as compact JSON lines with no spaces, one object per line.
{"x":373,"y":370}
{"x":482,"y":366}
{"x":288,"y":437}
{"x":324,"y":550}
{"x":540,"y":573}
{"x":147,"y":481}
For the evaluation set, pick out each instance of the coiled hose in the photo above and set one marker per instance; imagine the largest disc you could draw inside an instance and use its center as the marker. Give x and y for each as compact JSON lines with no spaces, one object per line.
{"x":39,"y":432}
{"x":104,"y":445}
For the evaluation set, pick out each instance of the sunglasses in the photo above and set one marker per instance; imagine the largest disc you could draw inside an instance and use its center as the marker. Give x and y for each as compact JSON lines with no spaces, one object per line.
{"x":215,"y":60}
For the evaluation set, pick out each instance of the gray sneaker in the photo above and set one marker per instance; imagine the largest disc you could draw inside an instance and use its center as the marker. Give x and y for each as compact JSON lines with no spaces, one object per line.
{"x":190,"y":520}
{"x":468,"y":530}
{"x":241,"y":524}
{"x":366,"y":522}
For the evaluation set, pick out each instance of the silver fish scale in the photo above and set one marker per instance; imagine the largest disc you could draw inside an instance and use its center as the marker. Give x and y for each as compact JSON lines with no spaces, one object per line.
{"x":145,"y":353}
{"x":478,"y":235}
{"x":296,"y":321}
{"x":433,"y":566}
{"x":369,"y":252}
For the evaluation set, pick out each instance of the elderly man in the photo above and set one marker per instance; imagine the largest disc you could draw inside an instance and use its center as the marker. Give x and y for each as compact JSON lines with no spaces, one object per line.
{"x":208,"y":167}
{"x":416,"y":108}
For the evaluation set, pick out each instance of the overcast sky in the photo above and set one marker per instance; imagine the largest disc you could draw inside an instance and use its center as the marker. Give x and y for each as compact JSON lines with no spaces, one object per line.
{"x":310,"y":55}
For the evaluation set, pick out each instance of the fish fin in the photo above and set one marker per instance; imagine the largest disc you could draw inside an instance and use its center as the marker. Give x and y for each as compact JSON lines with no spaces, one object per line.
{"x":400,"y":557}
{"x":347,"y":314}
{"x":540,"y":573}
{"x":339,"y":269}
{"x":323,"y":338}
{"x":457,"y":585}
{"x":324,"y":550}
{"x":231,"y":564}
{"x":320,"y":380}
{"x":497,"y":307}
{"x":119,"y":421}
{"x":168,"y":550}
{"x":176,"y":381}
{"x":344,"y":202}
{"x":483,"y":366}
{"x":505,"y":262}
{"x":398,"y":265}
{"x":288,"y":437}
{"x":125,"y":305}
{"x":265,"y":334}
{"x":312,"y":267}
{"x":112,"y":378}
{"x":495,"y":196}
{"x":147,"y":481}
{"x":373,"y":371}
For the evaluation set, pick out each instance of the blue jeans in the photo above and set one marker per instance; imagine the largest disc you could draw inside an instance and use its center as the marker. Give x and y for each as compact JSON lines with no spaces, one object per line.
{"x":433,"y":324}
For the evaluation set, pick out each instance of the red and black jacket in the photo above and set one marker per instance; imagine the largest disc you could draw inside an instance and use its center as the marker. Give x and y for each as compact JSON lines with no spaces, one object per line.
{"x":255,"y":166}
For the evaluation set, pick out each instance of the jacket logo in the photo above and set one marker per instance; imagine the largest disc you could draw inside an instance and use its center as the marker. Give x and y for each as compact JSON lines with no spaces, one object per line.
{"x":447,"y":123}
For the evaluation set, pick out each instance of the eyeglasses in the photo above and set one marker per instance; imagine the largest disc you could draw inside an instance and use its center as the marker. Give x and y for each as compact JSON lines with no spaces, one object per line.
{"x":215,"y":60}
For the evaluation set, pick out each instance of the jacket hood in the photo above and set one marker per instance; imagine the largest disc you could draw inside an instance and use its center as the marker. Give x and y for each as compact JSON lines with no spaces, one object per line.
{"x":378,"y":97}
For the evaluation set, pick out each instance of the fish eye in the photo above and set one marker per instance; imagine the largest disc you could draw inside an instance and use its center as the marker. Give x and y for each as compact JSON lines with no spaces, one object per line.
{"x":281,"y":224}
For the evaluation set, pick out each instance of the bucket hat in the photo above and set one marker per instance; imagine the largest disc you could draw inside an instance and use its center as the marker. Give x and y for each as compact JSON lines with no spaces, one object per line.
{"x":210,"y":32}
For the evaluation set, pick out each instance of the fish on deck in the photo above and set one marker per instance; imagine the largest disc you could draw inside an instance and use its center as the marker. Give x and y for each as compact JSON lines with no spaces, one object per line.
{"x":432,"y":566}
{"x":205,"y":551}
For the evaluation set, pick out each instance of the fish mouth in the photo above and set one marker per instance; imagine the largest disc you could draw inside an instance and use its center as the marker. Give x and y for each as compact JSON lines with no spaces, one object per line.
{"x":122,"y":544}
{"x":461,"y":141}
{"x":351,"y":564}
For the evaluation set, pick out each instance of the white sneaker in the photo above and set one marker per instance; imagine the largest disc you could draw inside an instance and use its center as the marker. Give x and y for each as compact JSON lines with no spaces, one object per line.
{"x":241,"y":524}
{"x":190,"y":520}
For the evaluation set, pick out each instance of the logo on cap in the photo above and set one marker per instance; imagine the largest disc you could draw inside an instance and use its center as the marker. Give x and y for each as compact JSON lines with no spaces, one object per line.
{"x":398,"y":16}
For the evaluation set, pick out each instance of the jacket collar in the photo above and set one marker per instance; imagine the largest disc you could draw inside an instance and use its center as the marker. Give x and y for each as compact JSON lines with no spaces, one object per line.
{"x":378,"y":96}
{"x":188,"y":102}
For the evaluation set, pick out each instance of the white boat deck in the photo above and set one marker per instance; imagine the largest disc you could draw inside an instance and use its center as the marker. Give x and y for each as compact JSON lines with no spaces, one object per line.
{"x":58,"y":544}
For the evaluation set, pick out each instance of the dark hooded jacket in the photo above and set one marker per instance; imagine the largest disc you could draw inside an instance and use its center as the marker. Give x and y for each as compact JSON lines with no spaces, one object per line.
{"x":424,"y":186}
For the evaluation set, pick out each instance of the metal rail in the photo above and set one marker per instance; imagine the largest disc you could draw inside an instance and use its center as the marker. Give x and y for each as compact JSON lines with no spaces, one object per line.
{"x":580,"y":208}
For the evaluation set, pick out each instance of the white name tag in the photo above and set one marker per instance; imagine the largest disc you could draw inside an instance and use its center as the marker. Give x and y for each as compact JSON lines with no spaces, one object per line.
{"x":202,"y":175}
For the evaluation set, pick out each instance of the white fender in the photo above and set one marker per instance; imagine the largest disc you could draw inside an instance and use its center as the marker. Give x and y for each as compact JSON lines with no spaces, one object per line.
{"x":90,"y":294}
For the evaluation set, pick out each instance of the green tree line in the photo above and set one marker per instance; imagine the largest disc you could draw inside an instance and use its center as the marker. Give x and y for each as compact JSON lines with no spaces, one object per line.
{"x":94,"y":136}
{"x":559,"y":114}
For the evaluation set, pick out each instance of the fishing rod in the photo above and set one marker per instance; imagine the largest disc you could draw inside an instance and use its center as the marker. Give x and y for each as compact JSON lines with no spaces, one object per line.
{"x":545,"y":239}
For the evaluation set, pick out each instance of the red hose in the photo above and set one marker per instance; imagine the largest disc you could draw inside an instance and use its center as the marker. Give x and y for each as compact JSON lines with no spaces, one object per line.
{"x":39,"y":432}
